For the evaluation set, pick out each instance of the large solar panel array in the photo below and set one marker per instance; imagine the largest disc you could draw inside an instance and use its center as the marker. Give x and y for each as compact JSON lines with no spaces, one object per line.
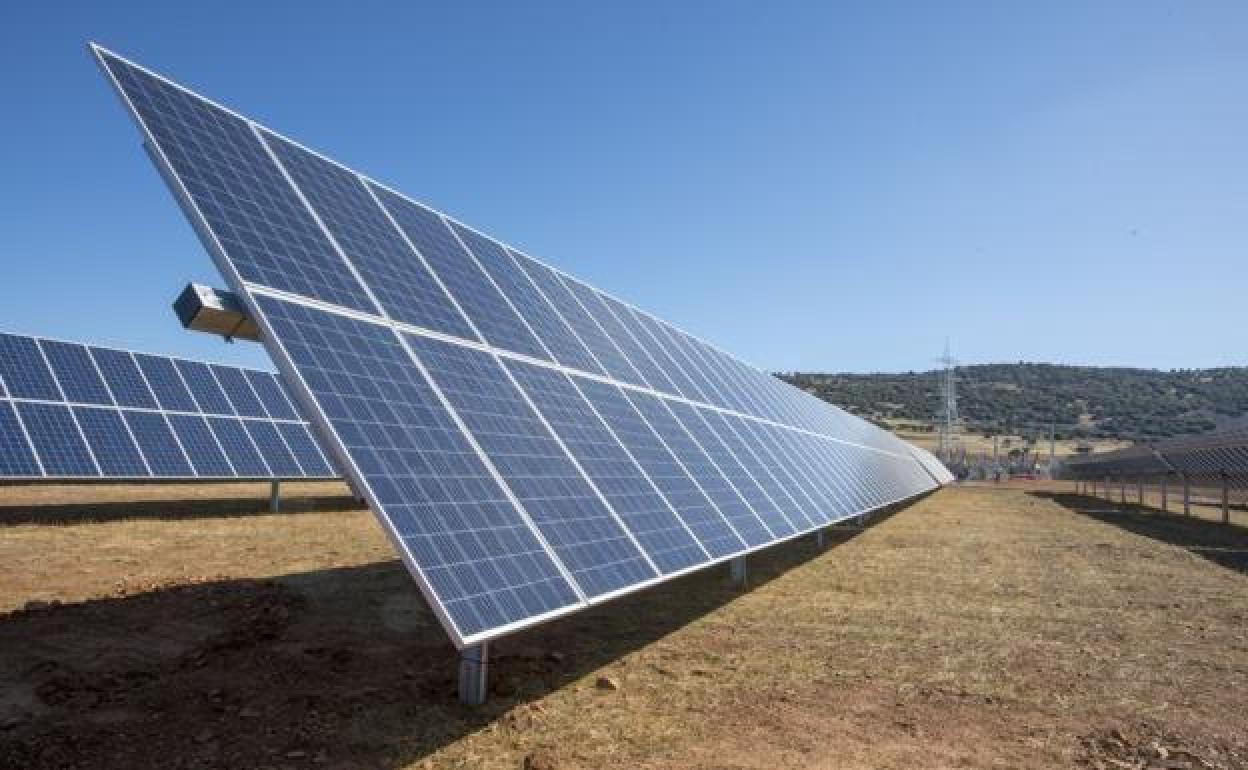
{"x":531,"y":444}
{"x":75,"y":411}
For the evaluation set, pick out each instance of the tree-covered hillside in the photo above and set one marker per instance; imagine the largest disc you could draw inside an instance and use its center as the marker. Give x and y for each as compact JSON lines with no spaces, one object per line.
{"x":1024,"y":398}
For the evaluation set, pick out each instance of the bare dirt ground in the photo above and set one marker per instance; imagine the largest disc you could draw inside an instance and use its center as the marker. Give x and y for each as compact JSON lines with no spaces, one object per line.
{"x":981,"y":627}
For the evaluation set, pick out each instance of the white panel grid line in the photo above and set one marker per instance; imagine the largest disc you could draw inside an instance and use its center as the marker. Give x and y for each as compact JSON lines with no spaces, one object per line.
{"x":421,"y":331}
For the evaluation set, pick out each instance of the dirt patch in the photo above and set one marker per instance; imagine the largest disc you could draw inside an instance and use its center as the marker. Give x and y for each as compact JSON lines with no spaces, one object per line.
{"x":980,"y":627}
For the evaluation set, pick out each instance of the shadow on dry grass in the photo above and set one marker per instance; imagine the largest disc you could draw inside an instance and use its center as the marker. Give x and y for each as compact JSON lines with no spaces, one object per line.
{"x":223,"y":505}
{"x":1222,"y":544}
{"x":342,"y":667}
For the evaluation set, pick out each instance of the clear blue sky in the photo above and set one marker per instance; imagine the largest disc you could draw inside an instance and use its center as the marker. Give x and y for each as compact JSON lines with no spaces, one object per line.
{"x":824,"y":186}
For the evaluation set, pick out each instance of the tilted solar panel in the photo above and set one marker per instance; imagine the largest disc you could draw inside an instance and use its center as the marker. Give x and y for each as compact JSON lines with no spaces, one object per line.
{"x":531,"y":444}
{"x":79,"y":412}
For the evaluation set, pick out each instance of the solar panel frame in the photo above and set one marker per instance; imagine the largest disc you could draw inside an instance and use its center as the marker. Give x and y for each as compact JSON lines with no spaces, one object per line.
{"x":253,"y":294}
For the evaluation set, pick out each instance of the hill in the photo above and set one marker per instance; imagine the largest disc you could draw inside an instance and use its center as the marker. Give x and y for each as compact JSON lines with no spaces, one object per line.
{"x":1024,"y":398}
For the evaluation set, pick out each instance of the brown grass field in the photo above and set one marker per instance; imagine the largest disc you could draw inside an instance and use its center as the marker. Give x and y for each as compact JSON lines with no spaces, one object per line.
{"x":167,"y":626}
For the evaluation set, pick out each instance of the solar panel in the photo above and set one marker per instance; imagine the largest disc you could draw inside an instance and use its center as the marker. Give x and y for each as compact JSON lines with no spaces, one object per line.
{"x":74,"y":411}
{"x":531,"y":444}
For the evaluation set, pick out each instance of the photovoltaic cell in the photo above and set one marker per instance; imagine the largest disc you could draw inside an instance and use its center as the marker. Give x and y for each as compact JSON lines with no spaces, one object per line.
{"x":16,"y":457}
{"x":56,"y":438}
{"x":164,"y":456}
{"x":74,"y":370}
{"x":578,"y":526}
{"x":270,"y":395}
{"x":484,"y":305}
{"x":646,"y":514}
{"x":239,"y":391}
{"x":541,"y":315}
{"x":239,"y":447}
{"x":203,"y":386}
{"x":732,"y":431}
{"x":166,"y":383}
{"x":123,"y":377}
{"x":638,"y":361}
{"x":25,"y":373}
{"x":731,"y":506}
{"x":692,"y":506}
{"x":303,"y":448}
{"x":724,"y":458}
{"x":261,"y":224}
{"x":657,"y":344}
{"x":110,"y":442}
{"x":274,"y":449}
{"x":200,"y":446}
{"x":485,"y":565}
{"x":402,"y":284}
{"x":604,"y":351}
{"x":615,"y":318}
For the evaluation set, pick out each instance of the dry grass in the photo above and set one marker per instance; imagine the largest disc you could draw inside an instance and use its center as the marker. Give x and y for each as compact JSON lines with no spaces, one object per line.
{"x":981,"y":627}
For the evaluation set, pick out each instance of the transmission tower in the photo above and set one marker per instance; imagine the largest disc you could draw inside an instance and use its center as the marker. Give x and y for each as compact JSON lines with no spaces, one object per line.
{"x":948,"y":403}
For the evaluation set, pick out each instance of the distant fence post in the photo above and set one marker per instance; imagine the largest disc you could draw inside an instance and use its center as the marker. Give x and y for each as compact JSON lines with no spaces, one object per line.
{"x":1139,"y":490}
{"x":1226,"y":498}
{"x":1122,"y":489}
{"x":1187,"y":495}
{"x":1165,"y":488}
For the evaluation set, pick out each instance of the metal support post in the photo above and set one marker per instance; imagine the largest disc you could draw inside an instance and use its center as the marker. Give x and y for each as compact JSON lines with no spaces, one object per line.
{"x":474,"y":668}
{"x":1139,"y":490}
{"x":1165,"y":493}
{"x":1122,"y":489}
{"x":1226,"y":499}
{"x":737,"y":571}
{"x":275,"y":495}
{"x":1187,"y":496}
{"x":819,"y":538}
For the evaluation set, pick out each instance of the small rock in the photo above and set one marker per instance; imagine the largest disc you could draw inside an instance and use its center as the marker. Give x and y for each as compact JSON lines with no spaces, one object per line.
{"x":539,"y":761}
{"x":607,"y":683}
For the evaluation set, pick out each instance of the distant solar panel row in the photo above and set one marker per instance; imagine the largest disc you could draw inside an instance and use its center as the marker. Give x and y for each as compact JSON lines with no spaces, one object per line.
{"x":1203,"y":456}
{"x":73,"y":411}
{"x":531,"y":444}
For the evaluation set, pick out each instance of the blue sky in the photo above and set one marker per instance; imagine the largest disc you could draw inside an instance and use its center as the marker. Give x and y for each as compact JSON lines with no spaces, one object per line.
{"x":822,"y":186}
